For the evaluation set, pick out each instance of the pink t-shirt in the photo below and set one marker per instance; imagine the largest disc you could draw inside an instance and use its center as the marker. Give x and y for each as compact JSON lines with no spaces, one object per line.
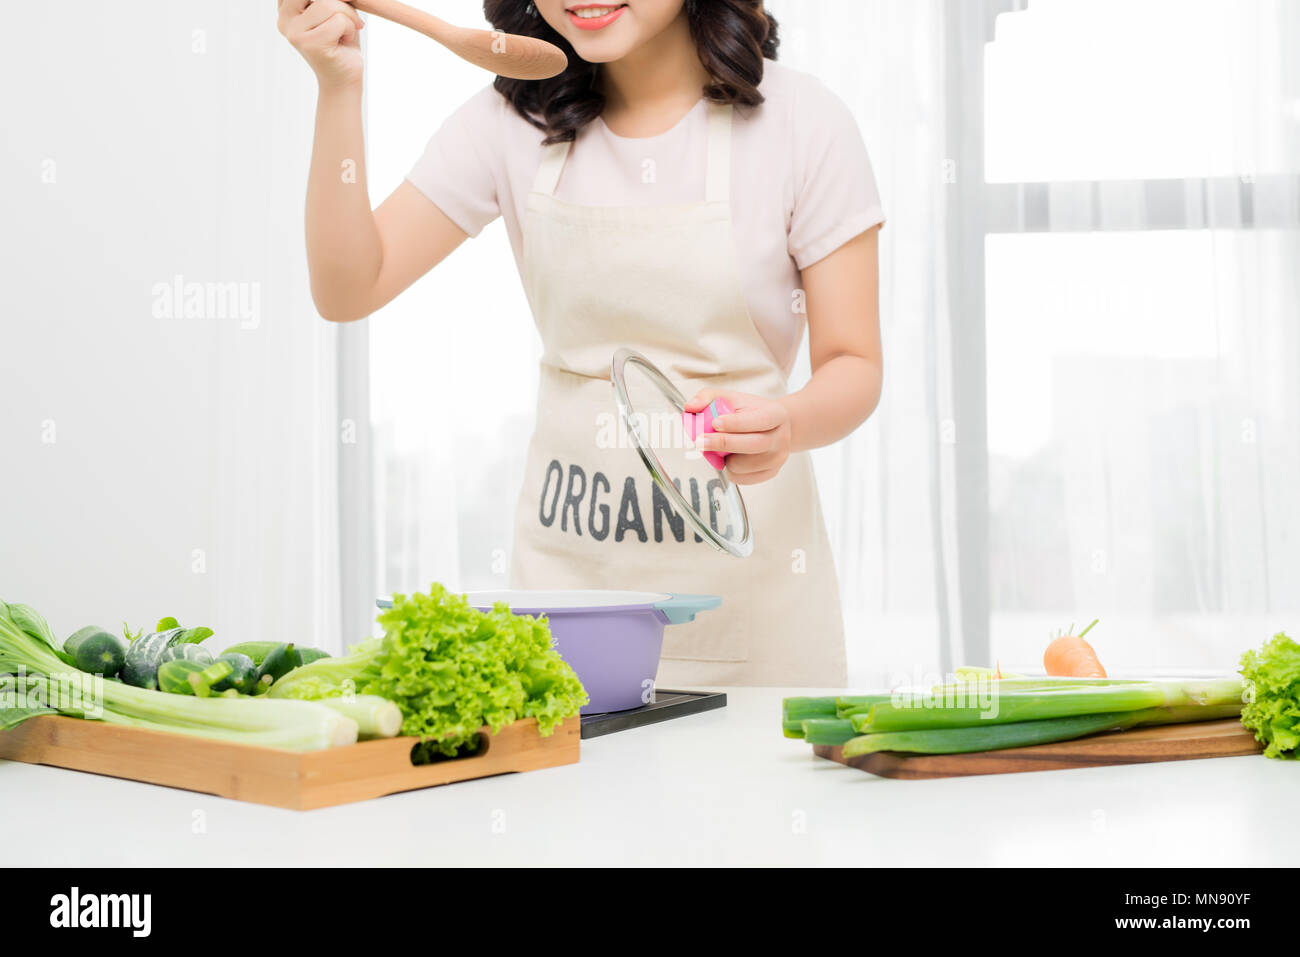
{"x":801,"y":182}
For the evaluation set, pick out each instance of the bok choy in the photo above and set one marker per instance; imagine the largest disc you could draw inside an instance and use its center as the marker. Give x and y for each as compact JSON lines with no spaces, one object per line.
{"x":34,"y":680}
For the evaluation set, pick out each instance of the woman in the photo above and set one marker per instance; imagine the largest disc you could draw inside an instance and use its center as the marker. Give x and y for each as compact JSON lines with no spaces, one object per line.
{"x":677,"y":192}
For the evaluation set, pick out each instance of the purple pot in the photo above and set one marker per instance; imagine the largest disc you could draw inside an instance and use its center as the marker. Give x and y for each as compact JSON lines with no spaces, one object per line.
{"x":612,"y":639}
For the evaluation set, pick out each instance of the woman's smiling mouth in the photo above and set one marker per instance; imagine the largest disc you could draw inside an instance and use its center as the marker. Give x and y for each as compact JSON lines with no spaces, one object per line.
{"x":591,"y":16}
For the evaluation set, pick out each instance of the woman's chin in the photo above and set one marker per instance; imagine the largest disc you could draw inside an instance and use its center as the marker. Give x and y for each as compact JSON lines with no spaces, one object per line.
{"x":603,"y":50}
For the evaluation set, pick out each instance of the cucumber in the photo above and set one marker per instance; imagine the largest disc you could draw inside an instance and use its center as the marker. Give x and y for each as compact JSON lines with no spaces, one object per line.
{"x":174,"y":675}
{"x":307,"y":655}
{"x":243,"y":673}
{"x":277,"y":664}
{"x":96,"y":651}
{"x":186,"y":676}
{"x":188,"y":653}
{"x":257,"y":650}
{"x":144,"y":656}
{"x":211,"y":676}
{"x":78,"y":636}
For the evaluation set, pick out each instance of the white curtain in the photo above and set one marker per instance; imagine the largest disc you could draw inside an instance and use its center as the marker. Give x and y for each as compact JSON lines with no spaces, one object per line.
{"x":453,"y":360}
{"x":888,"y":489}
{"x":165,"y":455}
{"x":1143,"y":319}
{"x":1115,"y":291}
{"x":1089,"y":308}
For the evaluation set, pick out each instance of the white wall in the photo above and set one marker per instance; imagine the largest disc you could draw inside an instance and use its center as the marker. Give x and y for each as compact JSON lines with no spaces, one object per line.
{"x":161,"y":466}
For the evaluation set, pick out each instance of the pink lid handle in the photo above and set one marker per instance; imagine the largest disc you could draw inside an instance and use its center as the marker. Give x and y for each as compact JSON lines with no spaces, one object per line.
{"x":701,"y":423}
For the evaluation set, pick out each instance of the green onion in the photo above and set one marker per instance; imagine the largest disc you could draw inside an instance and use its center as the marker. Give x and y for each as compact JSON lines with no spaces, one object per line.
{"x":965,"y":708}
{"x":995,"y":737}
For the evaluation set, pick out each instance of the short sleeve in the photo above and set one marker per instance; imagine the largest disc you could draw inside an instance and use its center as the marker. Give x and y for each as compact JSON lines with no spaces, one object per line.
{"x":835,"y":192}
{"x":458,"y":170}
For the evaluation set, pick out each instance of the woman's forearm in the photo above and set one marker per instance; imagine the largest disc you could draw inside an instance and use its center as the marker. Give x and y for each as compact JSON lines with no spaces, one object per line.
{"x":842,"y":392}
{"x":344,"y":252}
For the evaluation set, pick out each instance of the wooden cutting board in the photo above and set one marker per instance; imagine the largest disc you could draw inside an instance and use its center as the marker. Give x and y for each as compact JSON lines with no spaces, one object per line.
{"x":302,"y":781}
{"x":1173,"y":742}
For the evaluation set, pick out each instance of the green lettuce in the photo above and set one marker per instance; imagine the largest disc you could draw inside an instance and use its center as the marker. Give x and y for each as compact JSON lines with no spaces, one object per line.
{"x":1272,"y":710}
{"x":450,"y":669}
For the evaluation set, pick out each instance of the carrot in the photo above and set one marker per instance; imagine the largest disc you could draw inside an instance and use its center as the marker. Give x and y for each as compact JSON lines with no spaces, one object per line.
{"x":1069,"y":656}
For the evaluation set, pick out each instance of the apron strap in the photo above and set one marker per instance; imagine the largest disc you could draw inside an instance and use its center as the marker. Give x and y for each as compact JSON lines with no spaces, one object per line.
{"x":548,"y":173}
{"x":717,"y":187}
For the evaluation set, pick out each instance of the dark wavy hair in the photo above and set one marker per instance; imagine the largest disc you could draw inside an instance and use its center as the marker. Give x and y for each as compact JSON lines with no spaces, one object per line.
{"x":733,"y":38}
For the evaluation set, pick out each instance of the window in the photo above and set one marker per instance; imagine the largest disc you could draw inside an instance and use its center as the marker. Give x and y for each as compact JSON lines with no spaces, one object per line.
{"x":1139,"y":89}
{"x":1139,"y":237}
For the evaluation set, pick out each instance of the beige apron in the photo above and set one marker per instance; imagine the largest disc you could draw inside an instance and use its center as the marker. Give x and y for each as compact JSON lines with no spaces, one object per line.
{"x":663,"y":280}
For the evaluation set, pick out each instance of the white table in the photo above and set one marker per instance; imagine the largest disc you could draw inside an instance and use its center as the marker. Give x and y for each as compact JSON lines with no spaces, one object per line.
{"x":717,"y":788}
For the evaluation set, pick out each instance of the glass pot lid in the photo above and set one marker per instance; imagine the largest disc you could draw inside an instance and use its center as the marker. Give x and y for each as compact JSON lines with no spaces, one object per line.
{"x":654,"y":417}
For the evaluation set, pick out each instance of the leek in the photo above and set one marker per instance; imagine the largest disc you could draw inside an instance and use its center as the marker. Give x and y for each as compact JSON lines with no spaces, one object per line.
{"x":846,"y":705}
{"x":1050,"y":683}
{"x":1021,"y":734}
{"x":976,"y":673}
{"x":1003,"y":707}
{"x":828,"y":731}
{"x":794,"y":711}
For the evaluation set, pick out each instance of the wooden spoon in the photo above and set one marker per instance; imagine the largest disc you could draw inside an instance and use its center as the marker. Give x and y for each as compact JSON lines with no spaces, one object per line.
{"x":505,"y":54}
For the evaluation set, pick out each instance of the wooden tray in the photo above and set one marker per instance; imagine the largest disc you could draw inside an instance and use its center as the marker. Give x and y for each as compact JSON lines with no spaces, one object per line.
{"x":1172,"y":742}
{"x":301,"y":781}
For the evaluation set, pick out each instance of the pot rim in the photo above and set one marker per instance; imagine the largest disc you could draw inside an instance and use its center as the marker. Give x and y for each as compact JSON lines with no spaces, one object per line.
{"x":568,"y":601}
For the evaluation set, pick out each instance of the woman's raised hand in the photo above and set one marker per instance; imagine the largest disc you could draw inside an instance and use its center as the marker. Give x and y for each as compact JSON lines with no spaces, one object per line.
{"x":325,"y":33}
